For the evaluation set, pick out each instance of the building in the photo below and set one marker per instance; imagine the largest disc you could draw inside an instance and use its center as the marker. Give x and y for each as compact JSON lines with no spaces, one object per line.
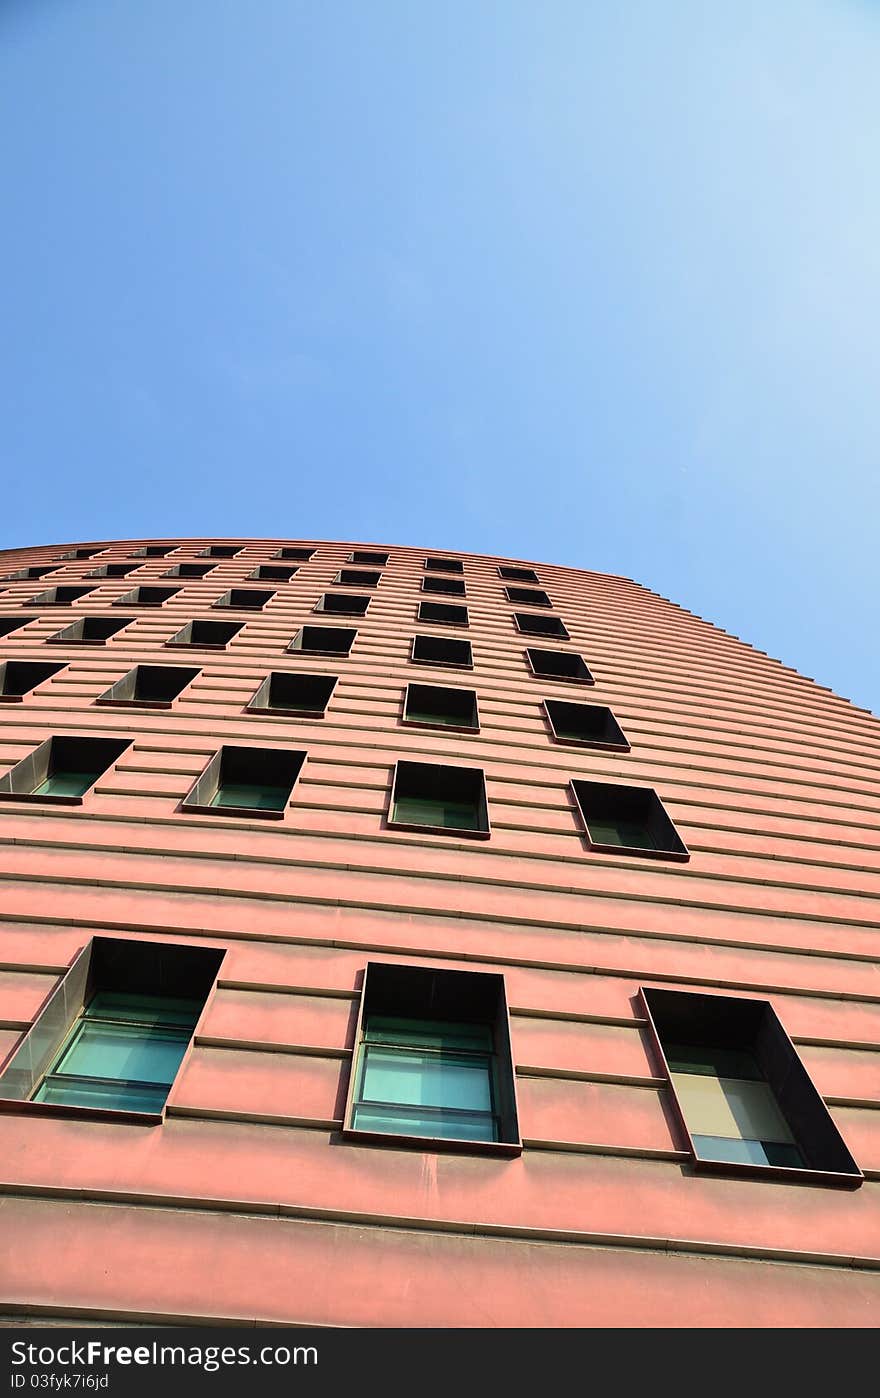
{"x":586,"y":888}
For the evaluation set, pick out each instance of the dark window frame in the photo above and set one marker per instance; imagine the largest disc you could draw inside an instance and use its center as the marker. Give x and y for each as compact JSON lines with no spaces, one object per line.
{"x":115,"y":696}
{"x":210,"y":780}
{"x":529,"y":597}
{"x":46,"y":599}
{"x":442,"y":664}
{"x":657,"y":814}
{"x":172,"y":641}
{"x":481,"y":832}
{"x":444,"y":565}
{"x":18,"y":784}
{"x":587,"y":678}
{"x":264,"y":690}
{"x":341,"y":604}
{"x":272,"y":572}
{"x":62,"y":638}
{"x":294,"y":552}
{"x":616,"y":741}
{"x":357,"y":577}
{"x":16,"y":623}
{"x":132,"y":599}
{"x":369,"y":558}
{"x":11,"y":665}
{"x":443,"y":585}
{"x":221,"y":551}
{"x":473,"y":727}
{"x":511,"y":572}
{"x":194,"y":569}
{"x":266,"y":594}
{"x":421,"y":615}
{"x":293,"y":649}
{"x":522,"y":620}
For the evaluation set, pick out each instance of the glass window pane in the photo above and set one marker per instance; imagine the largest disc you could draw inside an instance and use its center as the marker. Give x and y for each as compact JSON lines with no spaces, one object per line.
{"x":747,"y":1152}
{"x":730,"y":1107}
{"x":423,"y":810}
{"x":130,"y":1052}
{"x":428,"y":1033}
{"x":435,"y":716}
{"x":714,"y":1062}
{"x":66,"y":784}
{"x":463,"y":1126}
{"x":430,"y":1079}
{"x":629,"y":833}
{"x":261,"y":798}
{"x":144,"y":1009}
{"x":112,"y":1096}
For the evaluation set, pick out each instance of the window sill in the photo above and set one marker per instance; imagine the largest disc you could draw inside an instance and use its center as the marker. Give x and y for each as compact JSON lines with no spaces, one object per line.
{"x":635,"y":852}
{"x":440,"y":727}
{"x":42,"y":800}
{"x":28,"y":1108}
{"x":135,"y":703}
{"x":238,"y":811}
{"x":455,"y":834}
{"x":274,"y":712}
{"x":505,"y":1150}
{"x":783,"y":1173}
{"x":591,"y":743}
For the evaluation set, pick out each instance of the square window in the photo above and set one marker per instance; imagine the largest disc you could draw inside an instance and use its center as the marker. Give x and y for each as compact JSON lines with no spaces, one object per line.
{"x":244,"y":599}
{"x":20,"y":677}
{"x":447,"y":651}
{"x":540,"y":625}
{"x":745,"y":1101}
{"x":443,"y":800}
{"x":9,"y":624}
{"x":221,"y":551}
{"x":444,"y":565}
{"x":80,"y":553}
{"x":149,"y":686}
{"x":559,"y":665}
{"x":112,"y":1036}
{"x":246,"y":782}
{"x":587,"y":725}
{"x":294,"y":696}
{"x":112,"y":570}
{"x":153,"y":551}
{"x":516,"y":574}
{"x":300,"y":555}
{"x":436,"y":706}
{"x":342,"y":604}
{"x":528,"y":596}
{"x":627,"y":820}
{"x":357,"y":577}
{"x":371,"y":559}
{"x":272,"y":572}
{"x":453,"y":587}
{"x":26,"y":574}
{"x":443,"y":613}
{"x":206,"y":635}
{"x":58,"y":597}
{"x":61,"y":769}
{"x":323,"y":640}
{"x":147,"y":597}
{"x":90,"y":631}
{"x":432,"y":1064}
{"x":189,"y":570}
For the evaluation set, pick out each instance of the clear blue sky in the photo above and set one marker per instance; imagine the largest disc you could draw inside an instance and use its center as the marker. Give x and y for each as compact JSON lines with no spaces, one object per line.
{"x":567,"y":280}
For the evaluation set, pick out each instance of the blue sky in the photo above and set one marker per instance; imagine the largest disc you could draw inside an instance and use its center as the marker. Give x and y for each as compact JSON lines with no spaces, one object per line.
{"x":588,"y":283}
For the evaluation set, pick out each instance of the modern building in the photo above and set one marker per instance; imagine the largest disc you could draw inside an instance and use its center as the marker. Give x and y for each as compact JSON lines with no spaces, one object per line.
{"x":398,"y":938}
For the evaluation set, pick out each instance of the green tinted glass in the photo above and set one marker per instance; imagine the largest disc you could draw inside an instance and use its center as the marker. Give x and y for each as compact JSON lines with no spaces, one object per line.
{"x":748,"y":1152}
{"x":630,"y":834}
{"x":450,"y":1126}
{"x":260,"y":798}
{"x":424,"y":810}
{"x":66,"y":784}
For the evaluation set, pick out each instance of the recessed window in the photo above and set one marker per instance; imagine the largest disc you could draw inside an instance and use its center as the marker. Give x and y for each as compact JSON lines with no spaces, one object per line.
{"x":189,"y":570}
{"x":61,"y":769}
{"x":147,"y":597}
{"x":9,"y":624}
{"x":300,"y":555}
{"x":432,"y":1063}
{"x":444,"y":800}
{"x":453,"y":587}
{"x":246,"y":782}
{"x":115,"y":1031}
{"x":444,"y":565}
{"x":90,"y":631}
{"x":559,"y":665}
{"x":300,"y":696}
{"x":540,"y":625}
{"x":149,"y":686}
{"x":436,"y":706}
{"x":513,"y":574}
{"x":342,"y":604}
{"x":206,"y":635}
{"x":271,"y":572}
{"x":80,"y":553}
{"x":744,"y":1098}
{"x":221,"y":551}
{"x":323,"y":640}
{"x":443,"y":613}
{"x":26,"y":574}
{"x":442,"y":650}
{"x":627,"y":820}
{"x":153,"y":551}
{"x":20,"y":677}
{"x":528,"y":596}
{"x":587,"y":725}
{"x":58,"y":597}
{"x":371,"y":559}
{"x":112,"y":570}
{"x":242,"y":599}
{"x":357,"y":577}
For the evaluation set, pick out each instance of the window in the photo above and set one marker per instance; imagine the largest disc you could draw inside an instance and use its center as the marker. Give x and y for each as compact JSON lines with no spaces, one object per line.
{"x":442,"y":650}
{"x":444,"y":800}
{"x":745,"y":1100}
{"x":149,"y":686}
{"x":588,"y":725}
{"x":189,"y":570}
{"x":61,"y":769}
{"x":153,"y":551}
{"x":9,"y":624}
{"x":435,"y":706}
{"x":26,"y":574}
{"x":432,"y":1061}
{"x":206,"y":635}
{"x":58,"y":597}
{"x":244,"y":599}
{"x":559,"y":665}
{"x":147,"y":597}
{"x":453,"y":587}
{"x":114,"y":1033}
{"x":627,"y":820}
{"x":528,"y":596}
{"x":540,"y":625}
{"x":306,"y":696}
{"x":90,"y":631}
{"x":343,"y":604}
{"x":271,"y":572}
{"x":372,"y":560}
{"x":246,"y":781}
{"x":20,"y":677}
{"x":512,"y":574}
{"x":443,"y":613}
{"x":357,"y":577}
{"x":112,"y":570}
{"x":301,"y":555}
{"x":220,"y":551}
{"x":80,"y":553}
{"x":444,"y":565}
{"x":323,"y":640}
